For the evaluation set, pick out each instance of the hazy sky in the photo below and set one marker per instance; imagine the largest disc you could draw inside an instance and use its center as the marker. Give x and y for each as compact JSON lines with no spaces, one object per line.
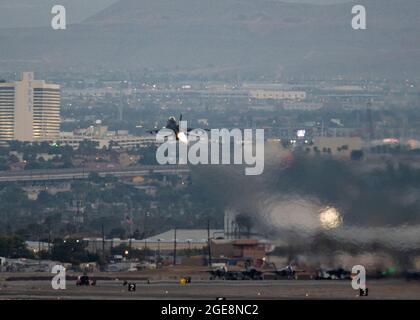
{"x":36,"y":13}
{"x":318,"y":1}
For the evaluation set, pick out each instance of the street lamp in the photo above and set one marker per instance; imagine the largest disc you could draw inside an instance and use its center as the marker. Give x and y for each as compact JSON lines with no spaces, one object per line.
{"x":158,"y":253}
{"x":189,"y":246}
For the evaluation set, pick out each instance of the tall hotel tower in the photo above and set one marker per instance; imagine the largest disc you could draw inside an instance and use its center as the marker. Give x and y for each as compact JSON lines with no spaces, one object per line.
{"x":29,"y":109}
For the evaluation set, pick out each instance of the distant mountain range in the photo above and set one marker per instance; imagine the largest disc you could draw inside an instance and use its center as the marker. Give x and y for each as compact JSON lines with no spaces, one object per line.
{"x":243,"y":35}
{"x":37,"y":13}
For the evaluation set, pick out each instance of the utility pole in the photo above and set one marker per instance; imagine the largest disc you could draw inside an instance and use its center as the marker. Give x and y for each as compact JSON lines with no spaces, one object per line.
{"x":227,"y":235}
{"x":49,"y":241}
{"x":369,"y":120}
{"x":209,"y":241}
{"x":232,"y":230}
{"x":131,"y":228}
{"x":145,"y":230}
{"x":103,"y":242}
{"x":175,"y":247}
{"x":120,"y":111}
{"x":39,"y":250}
{"x":158,"y":255}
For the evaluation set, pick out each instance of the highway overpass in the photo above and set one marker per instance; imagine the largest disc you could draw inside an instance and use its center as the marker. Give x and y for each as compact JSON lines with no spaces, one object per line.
{"x":83,"y":173}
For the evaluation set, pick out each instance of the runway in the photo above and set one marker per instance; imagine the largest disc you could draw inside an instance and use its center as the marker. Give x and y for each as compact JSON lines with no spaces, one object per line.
{"x":240,"y":290}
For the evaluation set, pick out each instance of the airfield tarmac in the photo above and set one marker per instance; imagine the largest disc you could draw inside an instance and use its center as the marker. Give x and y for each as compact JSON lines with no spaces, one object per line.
{"x":206,"y":289}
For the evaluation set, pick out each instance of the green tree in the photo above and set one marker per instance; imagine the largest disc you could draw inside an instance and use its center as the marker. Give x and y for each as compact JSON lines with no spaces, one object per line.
{"x":14,"y":246}
{"x":72,"y":251}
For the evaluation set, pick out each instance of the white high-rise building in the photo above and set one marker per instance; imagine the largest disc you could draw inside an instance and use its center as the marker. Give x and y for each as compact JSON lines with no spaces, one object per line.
{"x":29,"y":109}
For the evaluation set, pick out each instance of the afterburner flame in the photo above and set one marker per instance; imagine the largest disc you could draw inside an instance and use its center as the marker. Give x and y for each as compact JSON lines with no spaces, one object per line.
{"x":182,"y":137}
{"x":330,"y":218}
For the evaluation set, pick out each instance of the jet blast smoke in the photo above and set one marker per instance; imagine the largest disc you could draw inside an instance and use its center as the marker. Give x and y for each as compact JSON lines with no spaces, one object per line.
{"x":299,"y":197}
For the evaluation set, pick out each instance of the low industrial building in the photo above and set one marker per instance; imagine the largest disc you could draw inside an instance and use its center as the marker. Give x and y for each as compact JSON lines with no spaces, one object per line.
{"x":28,"y":265}
{"x":163,"y":242}
{"x":277,"y":95}
{"x":240,"y":251}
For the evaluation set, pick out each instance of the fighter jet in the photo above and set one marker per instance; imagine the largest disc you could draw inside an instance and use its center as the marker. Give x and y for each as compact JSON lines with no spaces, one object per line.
{"x":223,"y":273}
{"x":333,"y":274}
{"x":287,"y":273}
{"x":172,"y":124}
